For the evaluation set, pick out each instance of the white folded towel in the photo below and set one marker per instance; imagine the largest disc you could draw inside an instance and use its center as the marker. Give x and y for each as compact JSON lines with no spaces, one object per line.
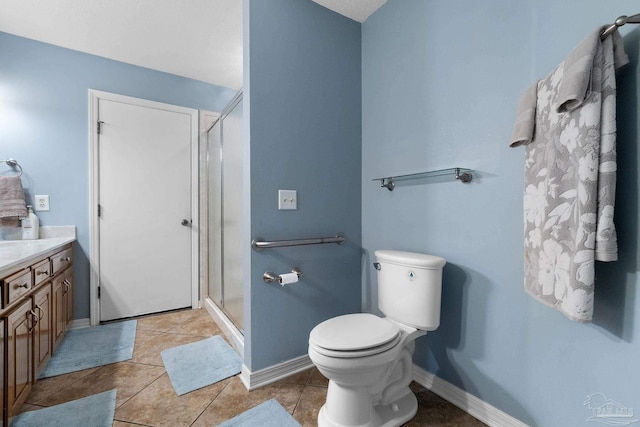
{"x":567,"y":122}
{"x":12,"y":202}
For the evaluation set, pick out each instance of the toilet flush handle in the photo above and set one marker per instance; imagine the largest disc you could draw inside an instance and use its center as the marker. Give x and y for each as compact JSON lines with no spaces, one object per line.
{"x":377,"y":265}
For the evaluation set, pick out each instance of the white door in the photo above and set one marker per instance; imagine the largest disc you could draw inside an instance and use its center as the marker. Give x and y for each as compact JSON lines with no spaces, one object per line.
{"x":145,"y":207}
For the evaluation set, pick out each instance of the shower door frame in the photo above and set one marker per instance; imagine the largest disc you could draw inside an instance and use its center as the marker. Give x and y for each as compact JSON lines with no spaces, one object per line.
{"x":229,"y":324}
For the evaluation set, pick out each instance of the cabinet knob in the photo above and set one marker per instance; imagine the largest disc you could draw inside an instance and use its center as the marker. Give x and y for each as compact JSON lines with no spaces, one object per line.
{"x":24,"y":285}
{"x":40,"y":273}
{"x":66,"y":259}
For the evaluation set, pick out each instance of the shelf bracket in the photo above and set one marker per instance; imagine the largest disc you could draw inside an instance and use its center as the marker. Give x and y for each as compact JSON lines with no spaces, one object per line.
{"x":387,"y":183}
{"x":465,"y":177}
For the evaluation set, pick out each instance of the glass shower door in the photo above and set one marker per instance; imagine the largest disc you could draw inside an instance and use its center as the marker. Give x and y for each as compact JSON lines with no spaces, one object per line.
{"x":226,"y":279}
{"x":232,"y":214}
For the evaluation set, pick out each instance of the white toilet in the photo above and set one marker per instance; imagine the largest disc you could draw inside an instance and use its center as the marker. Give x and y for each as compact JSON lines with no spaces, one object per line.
{"x":366,"y":358}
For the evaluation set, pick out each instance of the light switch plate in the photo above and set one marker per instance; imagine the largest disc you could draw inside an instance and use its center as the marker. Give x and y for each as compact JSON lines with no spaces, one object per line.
{"x":42,"y":203}
{"x":287,"y":199}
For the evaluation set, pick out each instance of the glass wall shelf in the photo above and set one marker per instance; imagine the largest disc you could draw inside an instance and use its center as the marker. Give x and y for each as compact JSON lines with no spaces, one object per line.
{"x":462,"y":174}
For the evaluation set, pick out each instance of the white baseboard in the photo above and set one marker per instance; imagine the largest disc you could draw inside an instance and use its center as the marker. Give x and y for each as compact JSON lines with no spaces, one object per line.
{"x":469,"y":403}
{"x":253,"y":380}
{"x":80,"y":323}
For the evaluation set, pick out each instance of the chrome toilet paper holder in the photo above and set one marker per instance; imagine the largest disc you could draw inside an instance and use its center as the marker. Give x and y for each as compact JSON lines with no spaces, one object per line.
{"x":270,"y":276}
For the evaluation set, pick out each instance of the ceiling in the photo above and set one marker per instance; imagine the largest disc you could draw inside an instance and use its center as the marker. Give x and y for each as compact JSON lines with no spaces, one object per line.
{"x":358,"y":10}
{"x":202,"y":41}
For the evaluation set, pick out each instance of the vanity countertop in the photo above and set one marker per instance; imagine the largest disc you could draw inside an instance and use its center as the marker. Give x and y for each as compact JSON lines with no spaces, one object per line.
{"x":16,"y":254}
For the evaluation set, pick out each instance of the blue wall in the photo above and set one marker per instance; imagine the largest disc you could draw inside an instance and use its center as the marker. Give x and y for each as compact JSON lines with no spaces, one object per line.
{"x":441,"y":80}
{"x":303,"y":97}
{"x":44,"y":125}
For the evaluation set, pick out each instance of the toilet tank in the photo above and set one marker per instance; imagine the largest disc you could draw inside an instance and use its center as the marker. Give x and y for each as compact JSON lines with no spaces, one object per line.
{"x":410,"y":287}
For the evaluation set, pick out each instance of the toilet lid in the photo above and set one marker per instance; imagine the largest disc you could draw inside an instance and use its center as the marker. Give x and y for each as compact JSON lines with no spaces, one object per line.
{"x":353,"y":332}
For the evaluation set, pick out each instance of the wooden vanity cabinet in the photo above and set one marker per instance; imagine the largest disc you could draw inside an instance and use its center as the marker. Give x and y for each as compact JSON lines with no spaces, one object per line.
{"x":58,"y":294}
{"x":37,"y":307}
{"x":43,"y":331}
{"x":2,"y":375}
{"x":15,"y":286}
{"x":68,"y":297}
{"x":62,"y":297}
{"x":20,"y":327}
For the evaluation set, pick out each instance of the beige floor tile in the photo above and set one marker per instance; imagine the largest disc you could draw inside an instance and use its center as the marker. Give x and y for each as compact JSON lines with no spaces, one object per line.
{"x":28,"y":407}
{"x":159,"y":405}
{"x":128,"y":378}
{"x":299,"y":378}
{"x":200,"y":323}
{"x":235,"y":399}
{"x":148,"y":351}
{"x":316,"y":378}
{"x":165,"y":322}
{"x":311,"y":400}
{"x":145,"y":396}
{"x":42,"y":389}
{"x":434,"y":411}
{"x":143,"y":336}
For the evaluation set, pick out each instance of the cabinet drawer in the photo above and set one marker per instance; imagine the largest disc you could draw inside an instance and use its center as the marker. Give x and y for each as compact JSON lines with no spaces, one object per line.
{"x":61,"y":260}
{"x":41,"y":272}
{"x":16,"y":286}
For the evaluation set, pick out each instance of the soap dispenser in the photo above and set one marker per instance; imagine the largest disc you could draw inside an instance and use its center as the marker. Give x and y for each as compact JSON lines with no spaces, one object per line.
{"x":30,"y":225}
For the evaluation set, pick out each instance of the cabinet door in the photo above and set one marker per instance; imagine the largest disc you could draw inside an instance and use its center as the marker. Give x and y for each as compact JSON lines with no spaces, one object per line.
{"x":68,"y":296}
{"x":43,"y":332}
{"x":20,"y":325}
{"x":2,"y":374}
{"x":58,"y":310}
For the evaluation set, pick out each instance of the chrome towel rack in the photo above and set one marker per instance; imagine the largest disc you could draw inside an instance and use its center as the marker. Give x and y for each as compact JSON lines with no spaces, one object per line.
{"x":258,"y":244}
{"x":14,"y":164}
{"x":635,"y":19}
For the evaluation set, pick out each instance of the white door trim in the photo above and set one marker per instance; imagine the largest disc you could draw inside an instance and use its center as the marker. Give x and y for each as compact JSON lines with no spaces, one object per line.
{"x":94,"y":235}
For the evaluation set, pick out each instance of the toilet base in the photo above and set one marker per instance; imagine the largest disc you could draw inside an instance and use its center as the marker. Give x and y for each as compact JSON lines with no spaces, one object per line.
{"x":392,"y":415}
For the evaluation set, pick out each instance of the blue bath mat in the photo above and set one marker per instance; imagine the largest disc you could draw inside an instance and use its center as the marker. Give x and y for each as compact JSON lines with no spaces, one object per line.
{"x":94,"y":411}
{"x":90,"y":347}
{"x":199,"y":364}
{"x":267,"y":414}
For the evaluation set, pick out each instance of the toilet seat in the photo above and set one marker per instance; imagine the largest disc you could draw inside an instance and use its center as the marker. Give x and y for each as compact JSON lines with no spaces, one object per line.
{"x":354,"y":335}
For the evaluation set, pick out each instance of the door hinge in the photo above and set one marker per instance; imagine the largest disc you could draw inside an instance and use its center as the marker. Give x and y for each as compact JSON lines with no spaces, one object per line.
{"x":99,"y":127}
{"x":98,"y":291}
{"x":99,"y":210}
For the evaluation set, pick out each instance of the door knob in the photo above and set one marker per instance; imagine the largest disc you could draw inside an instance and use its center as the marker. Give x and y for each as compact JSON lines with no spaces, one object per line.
{"x":186,"y":222}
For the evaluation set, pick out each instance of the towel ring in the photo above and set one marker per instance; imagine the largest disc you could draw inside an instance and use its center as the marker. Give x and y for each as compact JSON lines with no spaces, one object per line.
{"x":14,"y":164}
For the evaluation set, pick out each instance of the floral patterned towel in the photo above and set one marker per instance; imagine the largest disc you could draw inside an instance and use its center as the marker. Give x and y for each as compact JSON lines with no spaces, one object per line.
{"x":570,"y":175}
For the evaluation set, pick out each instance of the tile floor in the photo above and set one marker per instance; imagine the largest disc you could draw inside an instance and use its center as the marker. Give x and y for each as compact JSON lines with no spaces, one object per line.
{"x":145,"y":396}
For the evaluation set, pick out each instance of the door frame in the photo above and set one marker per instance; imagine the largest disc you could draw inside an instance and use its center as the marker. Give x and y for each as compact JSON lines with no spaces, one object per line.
{"x":94,"y":232}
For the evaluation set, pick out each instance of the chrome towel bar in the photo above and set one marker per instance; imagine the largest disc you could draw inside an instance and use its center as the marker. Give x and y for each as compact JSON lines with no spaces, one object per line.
{"x":13,"y":163}
{"x":635,"y":19}
{"x":258,"y":244}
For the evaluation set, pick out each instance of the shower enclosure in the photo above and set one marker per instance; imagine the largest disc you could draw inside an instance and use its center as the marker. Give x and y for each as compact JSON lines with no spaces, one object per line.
{"x":224,"y":194}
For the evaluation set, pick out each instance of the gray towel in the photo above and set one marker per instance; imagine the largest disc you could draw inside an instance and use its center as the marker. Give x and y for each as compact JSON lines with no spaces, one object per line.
{"x":570,"y":172}
{"x":12,"y":202}
{"x":526,"y":119}
{"x":577,"y":78}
